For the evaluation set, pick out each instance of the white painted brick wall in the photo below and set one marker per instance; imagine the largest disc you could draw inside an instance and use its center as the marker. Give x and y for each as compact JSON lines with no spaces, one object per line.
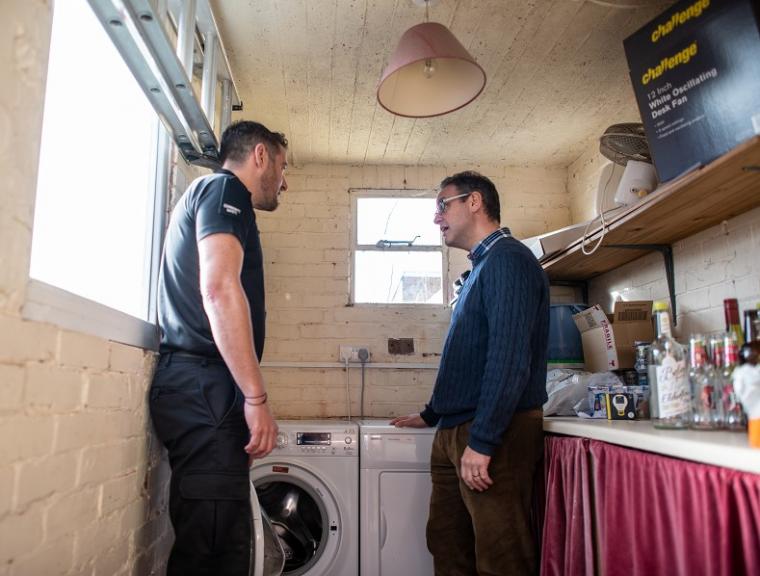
{"x":307,"y":261}
{"x":82,"y":351}
{"x":582,"y":183}
{"x":74,"y":431}
{"x":717,"y":263}
{"x":40,"y":478}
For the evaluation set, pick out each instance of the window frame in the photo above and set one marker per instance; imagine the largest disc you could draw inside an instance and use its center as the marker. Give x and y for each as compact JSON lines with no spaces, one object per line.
{"x":354,"y":195}
{"x":50,"y":304}
{"x":47,"y":303}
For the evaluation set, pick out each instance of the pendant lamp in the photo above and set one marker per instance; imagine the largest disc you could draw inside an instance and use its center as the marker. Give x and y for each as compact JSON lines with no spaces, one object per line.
{"x":429,"y":74}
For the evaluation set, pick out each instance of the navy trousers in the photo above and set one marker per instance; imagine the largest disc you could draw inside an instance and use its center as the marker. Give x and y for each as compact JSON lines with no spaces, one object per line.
{"x":197,"y":411}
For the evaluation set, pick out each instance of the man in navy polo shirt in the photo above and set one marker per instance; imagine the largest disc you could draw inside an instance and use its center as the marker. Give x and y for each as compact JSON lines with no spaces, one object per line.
{"x":207,"y":401}
{"x":488,"y":395}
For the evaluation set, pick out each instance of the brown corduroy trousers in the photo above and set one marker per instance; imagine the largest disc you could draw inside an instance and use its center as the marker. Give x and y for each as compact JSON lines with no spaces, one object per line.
{"x":486,"y":533}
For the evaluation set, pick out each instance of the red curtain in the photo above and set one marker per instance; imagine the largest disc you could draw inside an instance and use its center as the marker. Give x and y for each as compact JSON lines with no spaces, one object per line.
{"x":567,"y":541}
{"x":660,"y":515}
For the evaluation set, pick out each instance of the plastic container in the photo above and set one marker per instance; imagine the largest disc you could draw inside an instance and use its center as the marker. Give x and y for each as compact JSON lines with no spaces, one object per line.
{"x":565,"y":347}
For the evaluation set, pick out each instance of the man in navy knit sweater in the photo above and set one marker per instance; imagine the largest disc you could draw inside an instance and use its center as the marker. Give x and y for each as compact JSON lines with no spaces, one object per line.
{"x":488,"y":395}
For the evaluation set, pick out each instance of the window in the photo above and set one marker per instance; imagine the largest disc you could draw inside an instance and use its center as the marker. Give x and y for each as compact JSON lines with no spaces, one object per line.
{"x":96,"y":230}
{"x":397,"y":251}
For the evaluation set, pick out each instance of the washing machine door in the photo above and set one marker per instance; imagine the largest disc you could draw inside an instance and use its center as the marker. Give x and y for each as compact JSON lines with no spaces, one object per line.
{"x":267,"y":555}
{"x":304,"y":516}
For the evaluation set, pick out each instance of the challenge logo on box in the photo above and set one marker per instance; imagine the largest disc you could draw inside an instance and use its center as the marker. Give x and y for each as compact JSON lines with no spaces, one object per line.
{"x":695,"y":71}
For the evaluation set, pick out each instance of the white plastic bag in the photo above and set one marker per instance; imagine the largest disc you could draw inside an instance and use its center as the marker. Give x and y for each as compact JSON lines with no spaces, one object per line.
{"x":747,"y":387}
{"x":565,"y":388}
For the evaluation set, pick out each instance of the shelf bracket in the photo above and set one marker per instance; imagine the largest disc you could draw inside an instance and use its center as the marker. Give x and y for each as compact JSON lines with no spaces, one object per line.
{"x":667,"y":254}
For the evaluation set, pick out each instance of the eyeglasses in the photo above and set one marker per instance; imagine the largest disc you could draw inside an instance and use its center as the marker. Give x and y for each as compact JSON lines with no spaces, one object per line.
{"x":442,"y":204}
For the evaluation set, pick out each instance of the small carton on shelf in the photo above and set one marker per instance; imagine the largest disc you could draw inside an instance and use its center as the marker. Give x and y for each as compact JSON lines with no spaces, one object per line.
{"x":544,"y":245}
{"x":695,"y":71}
{"x":602,"y":397}
{"x":608,"y":343}
{"x":620,"y":406}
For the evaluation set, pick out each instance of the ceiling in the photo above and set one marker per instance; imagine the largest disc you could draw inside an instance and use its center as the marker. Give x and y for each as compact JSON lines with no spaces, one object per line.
{"x":556,"y":77}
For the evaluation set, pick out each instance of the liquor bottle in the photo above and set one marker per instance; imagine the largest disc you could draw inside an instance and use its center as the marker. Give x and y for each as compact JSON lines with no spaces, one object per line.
{"x":706,"y":401}
{"x":715,"y":354}
{"x":733,"y":413}
{"x":640,"y":362}
{"x":670,"y":395}
{"x":731,"y":314}
{"x":750,"y":352}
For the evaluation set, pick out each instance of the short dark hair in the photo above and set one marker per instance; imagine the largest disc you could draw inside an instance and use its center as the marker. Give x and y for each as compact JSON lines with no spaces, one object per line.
{"x":471,"y":181}
{"x":242,"y":136}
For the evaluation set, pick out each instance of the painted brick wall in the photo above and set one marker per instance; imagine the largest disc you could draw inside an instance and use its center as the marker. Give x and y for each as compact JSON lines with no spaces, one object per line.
{"x":307,"y":254}
{"x":80,"y":480}
{"x":717,"y":263}
{"x":582,"y":182}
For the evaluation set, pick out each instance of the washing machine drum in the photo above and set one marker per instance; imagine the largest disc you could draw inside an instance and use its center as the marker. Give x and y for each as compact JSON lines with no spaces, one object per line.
{"x":296,"y":520}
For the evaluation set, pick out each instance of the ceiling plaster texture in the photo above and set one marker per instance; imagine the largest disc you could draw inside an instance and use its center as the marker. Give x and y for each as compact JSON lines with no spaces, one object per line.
{"x":557,"y":77}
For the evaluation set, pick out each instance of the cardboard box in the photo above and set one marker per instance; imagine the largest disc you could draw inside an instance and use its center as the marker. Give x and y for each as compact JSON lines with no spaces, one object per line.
{"x":608,"y":345}
{"x":696,"y":75}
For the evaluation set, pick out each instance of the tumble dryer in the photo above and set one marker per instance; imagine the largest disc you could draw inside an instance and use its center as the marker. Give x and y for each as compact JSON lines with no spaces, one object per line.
{"x":394,"y":492}
{"x":308,"y":489}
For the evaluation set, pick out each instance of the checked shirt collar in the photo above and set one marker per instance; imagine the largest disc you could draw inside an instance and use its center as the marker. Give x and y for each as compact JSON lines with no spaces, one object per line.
{"x":485,"y":245}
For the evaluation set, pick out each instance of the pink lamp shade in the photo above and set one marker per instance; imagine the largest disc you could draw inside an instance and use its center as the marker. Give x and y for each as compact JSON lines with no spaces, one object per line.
{"x":429,"y":74}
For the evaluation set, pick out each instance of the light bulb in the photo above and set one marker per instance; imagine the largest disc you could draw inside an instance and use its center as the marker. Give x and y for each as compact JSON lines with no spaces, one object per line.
{"x":429,"y":68}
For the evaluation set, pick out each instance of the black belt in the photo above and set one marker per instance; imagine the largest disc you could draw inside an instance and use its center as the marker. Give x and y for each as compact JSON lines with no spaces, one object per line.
{"x":166,"y":358}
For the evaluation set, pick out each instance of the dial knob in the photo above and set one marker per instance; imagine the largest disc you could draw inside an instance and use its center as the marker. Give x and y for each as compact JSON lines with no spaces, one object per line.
{"x":282,"y":440}
{"x":348,"y":440}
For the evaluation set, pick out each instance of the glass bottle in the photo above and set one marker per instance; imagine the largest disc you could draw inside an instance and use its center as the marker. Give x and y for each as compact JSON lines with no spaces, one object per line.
{"x":640,"y":362}
{"x":733,"y":413}
{"x":706,"y":403}
{"x":715,"y":351}
{"x":670,"y":395}
{"x":731,"y":314}
{"x":750,"y":352}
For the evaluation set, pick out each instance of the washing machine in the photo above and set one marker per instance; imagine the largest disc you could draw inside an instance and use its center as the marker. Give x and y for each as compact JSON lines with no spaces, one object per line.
{"x":394,"y":495}
{"x":307,"y":488}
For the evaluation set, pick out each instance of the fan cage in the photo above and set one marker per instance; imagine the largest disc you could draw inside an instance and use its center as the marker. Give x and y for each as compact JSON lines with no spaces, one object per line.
{"x":623,"y":142}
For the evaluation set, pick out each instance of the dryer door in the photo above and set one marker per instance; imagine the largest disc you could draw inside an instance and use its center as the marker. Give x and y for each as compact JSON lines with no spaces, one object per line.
{"x":304,"y":515}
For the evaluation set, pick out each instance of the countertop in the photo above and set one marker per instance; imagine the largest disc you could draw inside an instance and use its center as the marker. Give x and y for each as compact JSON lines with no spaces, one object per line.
{"x":717,"y":447}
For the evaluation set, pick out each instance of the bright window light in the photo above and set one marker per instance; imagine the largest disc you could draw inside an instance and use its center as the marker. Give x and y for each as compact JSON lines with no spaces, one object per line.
{"x":398,"y":255}
{"x":96,"y":185}
{"x":397,"y":219}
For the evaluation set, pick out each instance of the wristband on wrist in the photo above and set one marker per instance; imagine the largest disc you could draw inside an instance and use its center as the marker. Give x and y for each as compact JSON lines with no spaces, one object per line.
{"x":256,"y":400}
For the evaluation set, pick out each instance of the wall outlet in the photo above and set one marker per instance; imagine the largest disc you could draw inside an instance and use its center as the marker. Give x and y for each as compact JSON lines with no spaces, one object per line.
{"x":354,"y":354}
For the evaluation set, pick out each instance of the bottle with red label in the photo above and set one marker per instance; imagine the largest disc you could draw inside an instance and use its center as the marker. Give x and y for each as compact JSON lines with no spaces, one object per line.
{"x":731,"y":315}
{"x":733,"y":413}
{"x":706,"y":401}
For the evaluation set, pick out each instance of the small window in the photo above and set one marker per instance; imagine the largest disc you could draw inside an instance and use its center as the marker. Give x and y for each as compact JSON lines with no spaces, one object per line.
{"x":397,"y":251}
{"x":93,"y":234}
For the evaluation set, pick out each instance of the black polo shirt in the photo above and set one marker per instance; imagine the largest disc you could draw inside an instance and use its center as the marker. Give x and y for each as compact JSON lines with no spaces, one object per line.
{"x":213,"y":204}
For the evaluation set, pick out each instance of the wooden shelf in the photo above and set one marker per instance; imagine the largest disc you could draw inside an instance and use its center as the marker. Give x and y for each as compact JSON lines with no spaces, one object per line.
{"x":725,"y":188}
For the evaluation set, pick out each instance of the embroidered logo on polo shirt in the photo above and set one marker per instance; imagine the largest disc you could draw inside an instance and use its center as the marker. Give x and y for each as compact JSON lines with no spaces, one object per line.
{"x":230,"y":209}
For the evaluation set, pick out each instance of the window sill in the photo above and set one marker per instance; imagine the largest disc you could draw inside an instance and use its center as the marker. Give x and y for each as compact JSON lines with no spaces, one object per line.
{"x":46,"y":303}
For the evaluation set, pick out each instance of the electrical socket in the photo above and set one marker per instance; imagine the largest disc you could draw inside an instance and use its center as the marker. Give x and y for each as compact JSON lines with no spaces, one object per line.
{"x":354,"y":353}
